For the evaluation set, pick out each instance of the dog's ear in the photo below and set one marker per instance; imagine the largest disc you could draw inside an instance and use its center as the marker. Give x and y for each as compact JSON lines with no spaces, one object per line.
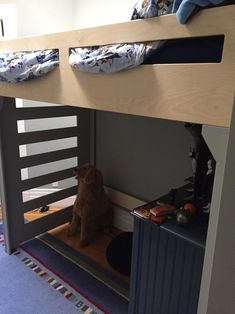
{"x":90,"y":176}
{"x":80,"y":172}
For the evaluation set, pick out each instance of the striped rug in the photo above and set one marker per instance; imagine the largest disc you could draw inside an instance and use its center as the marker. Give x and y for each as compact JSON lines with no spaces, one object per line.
{"x":76,"y":297}
{"x":73,"y":295}
{"x":101,"y":274}
{"x":102,"y":288}
{"x":92,"y":289}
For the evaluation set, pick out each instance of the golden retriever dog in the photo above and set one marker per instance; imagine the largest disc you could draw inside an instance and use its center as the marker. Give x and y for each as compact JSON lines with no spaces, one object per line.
{"x":91,"y":210}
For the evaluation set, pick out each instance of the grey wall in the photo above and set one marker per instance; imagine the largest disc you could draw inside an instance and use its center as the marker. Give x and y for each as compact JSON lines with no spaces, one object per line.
{"x":101,"y":12}
{"x":40,"y":17}
{"x":144,"y":157}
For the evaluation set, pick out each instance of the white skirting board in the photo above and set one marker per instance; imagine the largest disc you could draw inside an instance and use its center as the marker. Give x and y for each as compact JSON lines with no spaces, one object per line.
{"x":121,"y":204}
{"x":122,"y":219}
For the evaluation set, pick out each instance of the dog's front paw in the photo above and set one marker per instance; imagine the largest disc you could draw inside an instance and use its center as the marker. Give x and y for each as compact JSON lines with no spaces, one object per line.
{"x":84,"y":242}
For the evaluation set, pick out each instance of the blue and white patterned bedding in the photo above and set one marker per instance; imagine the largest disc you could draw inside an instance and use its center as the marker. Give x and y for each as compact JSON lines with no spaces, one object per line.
{"x":145,"y":9}
{"x":23,"y":66}
{"x":114,"y":58}
{"x":182,"y":8}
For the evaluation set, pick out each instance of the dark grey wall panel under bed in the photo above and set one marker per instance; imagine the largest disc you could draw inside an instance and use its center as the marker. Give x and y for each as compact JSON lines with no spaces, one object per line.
{"x":141,"y":156}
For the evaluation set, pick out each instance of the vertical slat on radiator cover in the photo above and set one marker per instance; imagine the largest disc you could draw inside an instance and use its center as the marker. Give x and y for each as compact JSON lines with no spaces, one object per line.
{"x":166,"y":272}
{"x":12,"y":184}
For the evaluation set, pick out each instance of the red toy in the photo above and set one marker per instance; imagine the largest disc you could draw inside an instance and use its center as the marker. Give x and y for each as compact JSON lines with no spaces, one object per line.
{"x":189,"y":209}
{"x":162,"y":210}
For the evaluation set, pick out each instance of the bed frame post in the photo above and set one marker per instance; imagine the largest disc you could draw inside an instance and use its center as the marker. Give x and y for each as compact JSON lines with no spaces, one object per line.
{"x":9,"y":173}
{"x":218,"y":281}
{"x":16,"y":228}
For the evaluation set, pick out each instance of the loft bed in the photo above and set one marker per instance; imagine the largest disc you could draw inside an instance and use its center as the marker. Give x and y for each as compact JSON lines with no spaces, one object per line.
{"x":195,"y":90}
{"x":198,"y":93}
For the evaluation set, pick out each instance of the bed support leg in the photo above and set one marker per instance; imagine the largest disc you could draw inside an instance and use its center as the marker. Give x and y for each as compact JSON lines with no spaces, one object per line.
{"x":217,"y":286}
{"x":9,"y":173}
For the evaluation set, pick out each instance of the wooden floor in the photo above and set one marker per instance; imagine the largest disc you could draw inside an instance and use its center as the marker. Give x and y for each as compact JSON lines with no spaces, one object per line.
{"x":96,"y":250}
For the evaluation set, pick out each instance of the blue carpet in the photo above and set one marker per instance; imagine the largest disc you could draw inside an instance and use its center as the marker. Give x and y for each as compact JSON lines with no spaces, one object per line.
{"x":23,"y":292}
{"x":95,"y":294}
{"x":78,"y":278}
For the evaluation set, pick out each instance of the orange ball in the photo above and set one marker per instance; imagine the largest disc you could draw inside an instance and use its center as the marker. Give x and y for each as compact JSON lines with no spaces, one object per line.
{"x":189,"y":208}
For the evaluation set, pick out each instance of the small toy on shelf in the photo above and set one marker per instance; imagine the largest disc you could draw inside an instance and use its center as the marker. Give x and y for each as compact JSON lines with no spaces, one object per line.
{"x":162,"y":210}
{"x":158,"y":212}
{"x":189,"y":208}
{"x":185,"y":212}
{"x":169,"y":207}
{"x":182,"y":218}
{"x":142,"y":212}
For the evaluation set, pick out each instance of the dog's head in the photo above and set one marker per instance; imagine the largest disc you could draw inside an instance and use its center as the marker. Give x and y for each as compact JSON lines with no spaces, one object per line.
{"x":88,"y":174}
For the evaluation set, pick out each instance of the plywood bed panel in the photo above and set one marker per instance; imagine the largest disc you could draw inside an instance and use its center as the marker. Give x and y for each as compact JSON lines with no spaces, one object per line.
{"x":201,"y":93}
